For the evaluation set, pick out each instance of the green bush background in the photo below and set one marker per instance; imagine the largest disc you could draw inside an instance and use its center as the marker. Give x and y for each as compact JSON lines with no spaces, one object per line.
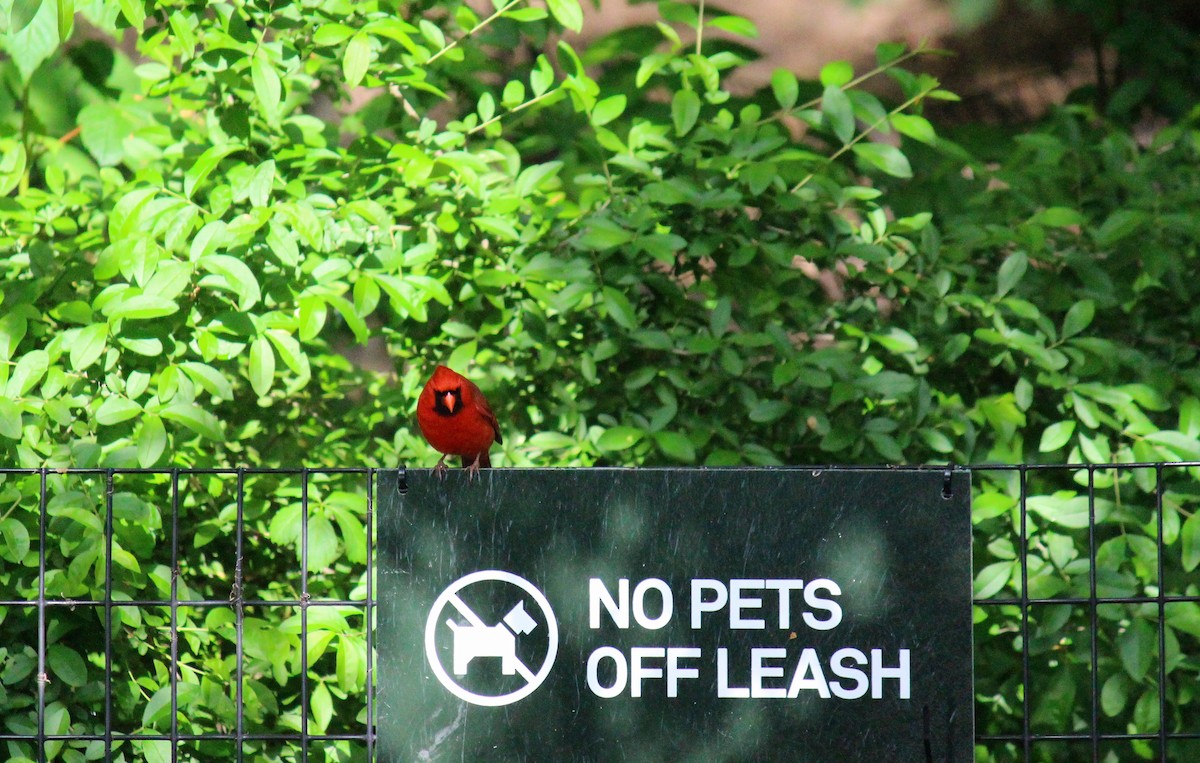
{"x":637,"y":265}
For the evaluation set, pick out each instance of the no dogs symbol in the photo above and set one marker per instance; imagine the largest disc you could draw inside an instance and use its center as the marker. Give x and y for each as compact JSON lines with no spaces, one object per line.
{"x":496,"y":633}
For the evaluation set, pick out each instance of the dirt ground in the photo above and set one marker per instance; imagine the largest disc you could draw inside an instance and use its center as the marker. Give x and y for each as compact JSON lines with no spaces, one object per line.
{"x":1008,"y":69}
{"x":803,"y":35}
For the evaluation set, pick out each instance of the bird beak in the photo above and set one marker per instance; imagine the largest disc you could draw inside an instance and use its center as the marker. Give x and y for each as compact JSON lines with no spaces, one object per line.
{"x":449,"y":401}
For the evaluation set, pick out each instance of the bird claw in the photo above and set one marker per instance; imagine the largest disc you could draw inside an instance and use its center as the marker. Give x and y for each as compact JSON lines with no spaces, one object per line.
{"x":473,"y":468}
{"x":440,"y":470}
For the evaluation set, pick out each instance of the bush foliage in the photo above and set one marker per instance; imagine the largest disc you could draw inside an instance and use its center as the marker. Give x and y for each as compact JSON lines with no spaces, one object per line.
{"x":205,"y":211}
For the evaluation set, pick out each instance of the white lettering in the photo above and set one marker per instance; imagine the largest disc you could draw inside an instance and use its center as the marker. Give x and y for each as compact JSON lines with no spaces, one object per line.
{"x":724,"y":690}
{"x":700,"y":605}
{"x":593,"y":672}
{"x":879,"y":673}
{"x":759,"y":670}
{"x":838,"y":665}
{"x":640,"y":670}
{"x":739,"y":601}
{"x":785,"y":588}
{"x":618,"y":610}
{"x":813,"y":600}
{"x":800,"y":679}
{"x":675,"y":671}
{"x":639,"y":604}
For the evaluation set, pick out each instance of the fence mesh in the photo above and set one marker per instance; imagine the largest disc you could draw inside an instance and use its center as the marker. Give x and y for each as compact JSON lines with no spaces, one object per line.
{"x":225,"y":614}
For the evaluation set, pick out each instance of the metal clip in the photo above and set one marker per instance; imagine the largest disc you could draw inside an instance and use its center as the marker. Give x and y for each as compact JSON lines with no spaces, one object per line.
{"x":401,"y":479}
{"x":947,"y":490}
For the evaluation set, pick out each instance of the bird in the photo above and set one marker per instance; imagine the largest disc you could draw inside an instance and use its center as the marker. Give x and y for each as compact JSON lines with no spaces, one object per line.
{"x":456,"y":420}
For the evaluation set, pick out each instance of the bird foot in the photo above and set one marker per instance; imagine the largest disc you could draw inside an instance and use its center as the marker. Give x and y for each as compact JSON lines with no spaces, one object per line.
{"x":473,"y":468}
{"x":440,"y":470}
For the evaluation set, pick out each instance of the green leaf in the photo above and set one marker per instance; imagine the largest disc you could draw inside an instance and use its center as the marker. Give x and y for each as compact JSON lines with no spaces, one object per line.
{"x":1056,"y":435}
{"x":237,"y":276}
{"x":619,"y":438}
{"x":134,"y":12}
{"x":321,"y":705}
{"x":897,"y":340}
{"x":259,"y":190}
{"x":12,"y":164}
{"x":353,"y":320}
{"x":262,"y":366}
{"x":543,"y":441}
{"x":542,"y":76}
{"x":523,"y":15}
{"x":1177,"y":444}
{"x":836,"y":74}
{"x":28,"y":371}
{"x":16,"y":539}
{"x":1189,"y":543}
{"x":1137,"y":646}
{"x":619,"y":308}
{"x":486,"y":106}
{"x":676,"y":446}
{"x":992,"y":579}
{"x":194,"y":418}
{"x":839,"y":115}
{"x":116,"y":409}
{"x":786,"y":88}
{"x":887,"y":52}
{"x":88,"y":345}
{"x":351,"y":663}
{"x":722,"y":313}
{"x":322,"y":543}
{"x":151,"y":441}
{"x":1011,"y":271}
{"x":567,"y":12}
{"x":267,"y":87}
{"x":1079,"y":317}
{"x":535,"y":177}
{"x":887,"y":158}
{"x":10,"y":419}
{"x":37,"y":38}
{"x":204,"y":165}
{"x":1067,"y":509}
{"x":889,"y":384}
{"x":1058,"y":217}
{"x":313,"y":313}
{"x":67,"y":665}
{"x":1114,"y":695}
{"x":331,"y":34}
{"x":433,"y":33}
{"x":356,"y":59}
{"x":608,"y":109}
{"x":766,"y":411}
{"x":913,"y":126}
{"x":139,"y":307}
{"x":22,"y":14}
{"x":12,"y":330}
{"x":514,"y":92}
{"x":289,"y":351}
{"x":602,"y":233}
{"x":738,"y":25}
{"x":1119,"y":225}
{"x":685,"y":109}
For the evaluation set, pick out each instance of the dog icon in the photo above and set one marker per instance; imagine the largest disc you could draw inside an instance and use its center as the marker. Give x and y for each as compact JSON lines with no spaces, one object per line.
{"x":500,"y":640}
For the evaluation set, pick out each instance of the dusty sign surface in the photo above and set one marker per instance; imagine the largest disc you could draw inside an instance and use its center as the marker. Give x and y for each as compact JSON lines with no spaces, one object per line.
{"x":669,"y":614}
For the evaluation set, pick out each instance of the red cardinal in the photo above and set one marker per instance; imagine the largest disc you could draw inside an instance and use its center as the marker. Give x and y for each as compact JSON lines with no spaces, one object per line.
{"x":457,"y":420}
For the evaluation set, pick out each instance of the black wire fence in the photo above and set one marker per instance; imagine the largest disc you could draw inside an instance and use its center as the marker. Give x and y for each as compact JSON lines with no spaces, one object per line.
{"x":225,"y":614}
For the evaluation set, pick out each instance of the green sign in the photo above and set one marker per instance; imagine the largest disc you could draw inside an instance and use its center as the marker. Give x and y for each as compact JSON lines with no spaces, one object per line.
{"x":675,"y":614}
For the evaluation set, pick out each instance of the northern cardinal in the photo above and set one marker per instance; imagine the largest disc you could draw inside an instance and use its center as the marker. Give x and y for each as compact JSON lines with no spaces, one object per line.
{"x":456,"y":419}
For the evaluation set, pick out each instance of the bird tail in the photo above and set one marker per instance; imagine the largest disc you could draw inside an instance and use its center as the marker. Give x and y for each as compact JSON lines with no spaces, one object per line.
{"x":484,"y":461}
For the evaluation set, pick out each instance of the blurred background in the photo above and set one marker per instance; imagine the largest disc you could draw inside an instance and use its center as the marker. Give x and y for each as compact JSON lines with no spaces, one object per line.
{"x":1012,"y":59}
